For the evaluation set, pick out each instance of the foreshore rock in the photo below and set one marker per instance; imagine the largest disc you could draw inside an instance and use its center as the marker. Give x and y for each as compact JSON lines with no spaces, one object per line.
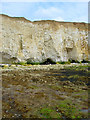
{"x":22,"y":40}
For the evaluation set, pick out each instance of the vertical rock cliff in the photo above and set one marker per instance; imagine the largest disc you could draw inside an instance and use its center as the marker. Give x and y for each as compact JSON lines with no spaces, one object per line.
{"x":37,"y":41}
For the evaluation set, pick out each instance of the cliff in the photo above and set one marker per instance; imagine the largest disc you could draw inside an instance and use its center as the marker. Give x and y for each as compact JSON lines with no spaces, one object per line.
{"x":21,"y":39}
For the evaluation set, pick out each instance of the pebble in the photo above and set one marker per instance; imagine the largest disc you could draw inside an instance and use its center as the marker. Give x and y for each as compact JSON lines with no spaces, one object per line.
{"x":6,"y":111}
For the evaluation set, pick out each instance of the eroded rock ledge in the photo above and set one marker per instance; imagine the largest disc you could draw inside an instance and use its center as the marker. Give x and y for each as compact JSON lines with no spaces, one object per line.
{"x":37,"y":41}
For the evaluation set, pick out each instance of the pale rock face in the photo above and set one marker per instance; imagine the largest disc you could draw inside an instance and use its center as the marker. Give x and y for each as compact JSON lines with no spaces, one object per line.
{"x":21,"y":39}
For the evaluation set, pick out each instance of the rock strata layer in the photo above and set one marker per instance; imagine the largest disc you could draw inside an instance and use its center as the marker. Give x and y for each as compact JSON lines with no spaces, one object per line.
{"x":21,"y":40}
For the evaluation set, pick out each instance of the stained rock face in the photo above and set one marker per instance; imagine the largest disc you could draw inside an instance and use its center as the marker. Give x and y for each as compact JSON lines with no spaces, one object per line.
{"x":21,"y":39}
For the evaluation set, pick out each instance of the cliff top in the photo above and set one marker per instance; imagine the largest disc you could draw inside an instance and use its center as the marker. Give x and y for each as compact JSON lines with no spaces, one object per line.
{"x":41,"y":21}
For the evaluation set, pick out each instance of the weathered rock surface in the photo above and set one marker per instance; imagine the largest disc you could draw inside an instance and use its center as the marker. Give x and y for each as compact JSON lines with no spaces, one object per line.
{"x":21,"y":39}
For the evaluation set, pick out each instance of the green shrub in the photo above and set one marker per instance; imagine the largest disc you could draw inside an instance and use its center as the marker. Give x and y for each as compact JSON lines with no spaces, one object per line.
{"x":36,"y":63}
{"x":32,"y":63}
{"x":85,"y":61}
{"x":21,"y":63}
{"x":63,"y":62}
{"x":73,"y":61}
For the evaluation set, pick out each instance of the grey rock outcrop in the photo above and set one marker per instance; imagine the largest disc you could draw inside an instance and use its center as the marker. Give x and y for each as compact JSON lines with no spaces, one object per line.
{"x":21,"y":39}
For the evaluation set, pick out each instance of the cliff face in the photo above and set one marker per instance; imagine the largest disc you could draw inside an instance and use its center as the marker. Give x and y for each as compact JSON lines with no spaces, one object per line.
{"x":21,"y":39}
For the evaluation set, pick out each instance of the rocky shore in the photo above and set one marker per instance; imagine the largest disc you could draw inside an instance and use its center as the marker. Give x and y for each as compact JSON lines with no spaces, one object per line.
{"x":45,"y":91}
